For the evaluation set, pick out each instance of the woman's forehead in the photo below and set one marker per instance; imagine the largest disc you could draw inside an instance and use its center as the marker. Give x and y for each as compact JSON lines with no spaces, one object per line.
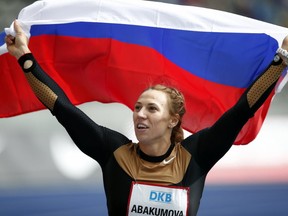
{"x":154,"y":96}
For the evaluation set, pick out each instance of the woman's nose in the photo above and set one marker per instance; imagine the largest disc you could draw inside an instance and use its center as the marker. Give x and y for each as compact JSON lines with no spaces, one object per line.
{"x":142,"y":113}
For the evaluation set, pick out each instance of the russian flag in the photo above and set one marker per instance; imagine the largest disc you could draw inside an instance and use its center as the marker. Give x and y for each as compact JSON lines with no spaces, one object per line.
{"x":111,"y":50}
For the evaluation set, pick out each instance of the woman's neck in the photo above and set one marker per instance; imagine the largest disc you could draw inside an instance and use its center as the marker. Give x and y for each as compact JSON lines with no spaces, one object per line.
{"x":154,"y":149}
{"x":158,"y":156}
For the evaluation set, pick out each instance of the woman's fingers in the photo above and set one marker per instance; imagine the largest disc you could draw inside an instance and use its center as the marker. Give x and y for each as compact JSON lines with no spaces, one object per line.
{"x":9,"y":39}
{"x":17,"y":28}
{"x":285,"y":43}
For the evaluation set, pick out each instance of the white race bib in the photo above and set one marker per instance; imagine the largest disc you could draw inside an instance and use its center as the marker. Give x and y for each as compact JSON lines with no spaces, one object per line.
{"x":148,"y":199}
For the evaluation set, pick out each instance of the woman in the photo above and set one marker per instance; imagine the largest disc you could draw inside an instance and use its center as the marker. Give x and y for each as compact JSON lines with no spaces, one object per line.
{"x":163,"y":174}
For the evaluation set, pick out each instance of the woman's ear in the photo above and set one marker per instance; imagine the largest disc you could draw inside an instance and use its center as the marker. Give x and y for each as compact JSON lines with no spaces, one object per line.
{"x":174,"y":121}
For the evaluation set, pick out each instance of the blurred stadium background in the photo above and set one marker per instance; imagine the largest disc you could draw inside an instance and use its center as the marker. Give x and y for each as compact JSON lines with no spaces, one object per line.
{"x":43,"y":173}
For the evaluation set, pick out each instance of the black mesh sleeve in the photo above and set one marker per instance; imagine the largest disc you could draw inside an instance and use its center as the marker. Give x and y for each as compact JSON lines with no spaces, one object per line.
{"x":213,"y":143}
{"x":94,"y":140}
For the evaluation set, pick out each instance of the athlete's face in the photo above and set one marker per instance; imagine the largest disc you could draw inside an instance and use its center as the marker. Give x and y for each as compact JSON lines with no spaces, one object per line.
{"x":152,"y":121}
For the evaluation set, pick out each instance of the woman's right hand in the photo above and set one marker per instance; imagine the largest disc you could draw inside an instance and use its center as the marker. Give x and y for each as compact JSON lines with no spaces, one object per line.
{"x":18,"y":45}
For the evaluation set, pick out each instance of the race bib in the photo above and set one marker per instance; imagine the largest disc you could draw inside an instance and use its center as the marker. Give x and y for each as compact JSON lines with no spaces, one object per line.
{"x":148,"y":199}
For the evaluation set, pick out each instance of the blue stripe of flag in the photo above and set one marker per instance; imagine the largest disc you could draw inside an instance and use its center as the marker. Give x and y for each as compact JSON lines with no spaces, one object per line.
{"x":2,"y":38}
{"x":233,"y":59}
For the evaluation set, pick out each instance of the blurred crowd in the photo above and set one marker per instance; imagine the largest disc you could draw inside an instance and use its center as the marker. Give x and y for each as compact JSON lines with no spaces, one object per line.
{"x":272,"y":11}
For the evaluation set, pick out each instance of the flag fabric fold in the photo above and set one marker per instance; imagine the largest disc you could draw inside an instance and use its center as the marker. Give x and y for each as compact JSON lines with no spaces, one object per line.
{"x":111,"y":50}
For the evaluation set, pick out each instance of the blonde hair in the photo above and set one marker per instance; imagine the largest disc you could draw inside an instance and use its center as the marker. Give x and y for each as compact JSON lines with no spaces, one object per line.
{"x":176,"y":103}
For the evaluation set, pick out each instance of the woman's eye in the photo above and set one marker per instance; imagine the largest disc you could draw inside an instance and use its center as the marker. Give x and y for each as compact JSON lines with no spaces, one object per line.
{"x":137,"y":108}
{"x":152,"y":108}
